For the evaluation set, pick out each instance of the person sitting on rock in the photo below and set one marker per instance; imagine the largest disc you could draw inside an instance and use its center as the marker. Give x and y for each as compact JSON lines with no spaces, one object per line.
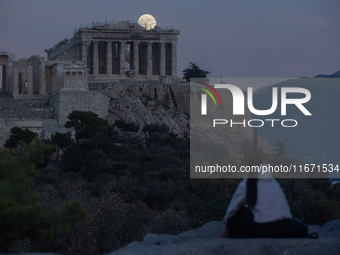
{"x":259,"y":209}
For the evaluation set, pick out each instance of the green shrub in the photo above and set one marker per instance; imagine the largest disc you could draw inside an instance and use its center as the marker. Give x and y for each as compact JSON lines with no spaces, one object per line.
{"x":312,"y":206}
{"x":86,"y":124}
{"x":17,"y":135}
{"x":153,"y":128}
{"x":126,"y":126}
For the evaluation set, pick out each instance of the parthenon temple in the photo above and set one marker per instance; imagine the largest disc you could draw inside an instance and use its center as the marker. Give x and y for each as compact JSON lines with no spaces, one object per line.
{"x":121,"y":50}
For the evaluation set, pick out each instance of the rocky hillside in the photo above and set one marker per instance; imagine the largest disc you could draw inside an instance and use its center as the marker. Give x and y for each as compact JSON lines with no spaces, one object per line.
{"x":204,"y":240}
{"x":151,"y":102}
{"x":148,"y":102}
{"x":24,"y":108}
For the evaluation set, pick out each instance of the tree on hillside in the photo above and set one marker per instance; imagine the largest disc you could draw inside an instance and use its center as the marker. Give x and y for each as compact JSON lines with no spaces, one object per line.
{"x":18,"y":134}
{"x":61,"y":140}
{"x":38,"y":152}
{"x":280,"y":150}
{"x":85,"y":123}
{"x":126,"y":126}
{"x":154,"y":128}
{"x":194,"y":72}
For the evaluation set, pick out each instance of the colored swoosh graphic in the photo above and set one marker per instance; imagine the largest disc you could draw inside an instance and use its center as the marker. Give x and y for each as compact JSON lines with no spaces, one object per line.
{"x":208,"y":86}
{"x":209,"y":94}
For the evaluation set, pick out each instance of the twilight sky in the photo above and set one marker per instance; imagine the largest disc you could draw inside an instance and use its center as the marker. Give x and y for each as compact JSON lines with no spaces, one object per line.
{"x":239,"y":39}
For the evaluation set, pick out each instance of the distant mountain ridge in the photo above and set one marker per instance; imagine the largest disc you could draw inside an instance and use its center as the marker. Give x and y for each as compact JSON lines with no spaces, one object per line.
{"x":316,"y":138}
{"x":334,"y":75}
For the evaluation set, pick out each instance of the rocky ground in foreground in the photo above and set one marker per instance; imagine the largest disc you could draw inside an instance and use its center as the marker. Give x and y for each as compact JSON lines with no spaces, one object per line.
{"x":204,"y":240}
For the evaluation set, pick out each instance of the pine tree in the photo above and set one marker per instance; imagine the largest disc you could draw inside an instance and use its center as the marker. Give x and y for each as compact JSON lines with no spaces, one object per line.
{"x":280,"y":151}
{"x":194,"y":72}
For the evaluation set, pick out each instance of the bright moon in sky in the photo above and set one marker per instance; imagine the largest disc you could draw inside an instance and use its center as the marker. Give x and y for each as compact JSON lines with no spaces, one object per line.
{"x":147,"y":21}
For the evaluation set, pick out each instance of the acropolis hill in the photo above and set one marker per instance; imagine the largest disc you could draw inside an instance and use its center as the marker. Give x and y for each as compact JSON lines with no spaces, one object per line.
{"x":118,"y":70}
{"x":38,"y":94}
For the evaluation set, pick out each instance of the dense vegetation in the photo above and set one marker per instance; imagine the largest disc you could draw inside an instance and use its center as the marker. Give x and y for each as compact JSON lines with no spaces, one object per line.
{"x":22,"y":215}
{"x":129,"y":184}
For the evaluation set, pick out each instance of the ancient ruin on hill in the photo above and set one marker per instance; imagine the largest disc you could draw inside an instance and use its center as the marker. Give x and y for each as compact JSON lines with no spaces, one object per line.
{"x":36,"y":91}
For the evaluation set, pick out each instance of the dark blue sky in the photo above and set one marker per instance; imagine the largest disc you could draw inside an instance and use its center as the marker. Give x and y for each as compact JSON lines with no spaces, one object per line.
{"x":243,"y":38}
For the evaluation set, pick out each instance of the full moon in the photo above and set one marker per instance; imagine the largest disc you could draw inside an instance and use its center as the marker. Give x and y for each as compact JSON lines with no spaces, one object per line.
{"x":147,"y":21}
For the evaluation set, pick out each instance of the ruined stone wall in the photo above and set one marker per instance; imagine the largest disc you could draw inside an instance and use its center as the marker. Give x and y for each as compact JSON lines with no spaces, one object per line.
{"x":57,"y":78}
{"x":66,"y":50}
{"x":66,"y":102}
{"x":24,"y":108}
{"x":24,"y":113}
{"x":51,"y":126}
{"x":7,"y":124}
{"x":38,"y":114}
{"x":43,"y":127}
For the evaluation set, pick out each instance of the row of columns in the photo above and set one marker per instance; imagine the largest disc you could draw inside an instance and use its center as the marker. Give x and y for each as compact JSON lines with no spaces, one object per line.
{"x":42,"y":87}
{"x":135,"y":57}
{"x":74,"y":81}
{"x":18,"y":75}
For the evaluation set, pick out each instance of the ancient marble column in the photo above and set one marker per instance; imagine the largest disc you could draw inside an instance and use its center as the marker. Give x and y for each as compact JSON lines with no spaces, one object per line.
{"x":149,"y":59}
{"x":95,"y":58}
{"x":174,"y":60}
{"x":136,"y":57}
{"x":15,"y":81}
{"x":30,"y":80}
{"x":109,"y":58}
{"x":42,"y":87}
{"x":9,"y":81}
{"x":122,"y":58}
{"x":162,"y":64}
